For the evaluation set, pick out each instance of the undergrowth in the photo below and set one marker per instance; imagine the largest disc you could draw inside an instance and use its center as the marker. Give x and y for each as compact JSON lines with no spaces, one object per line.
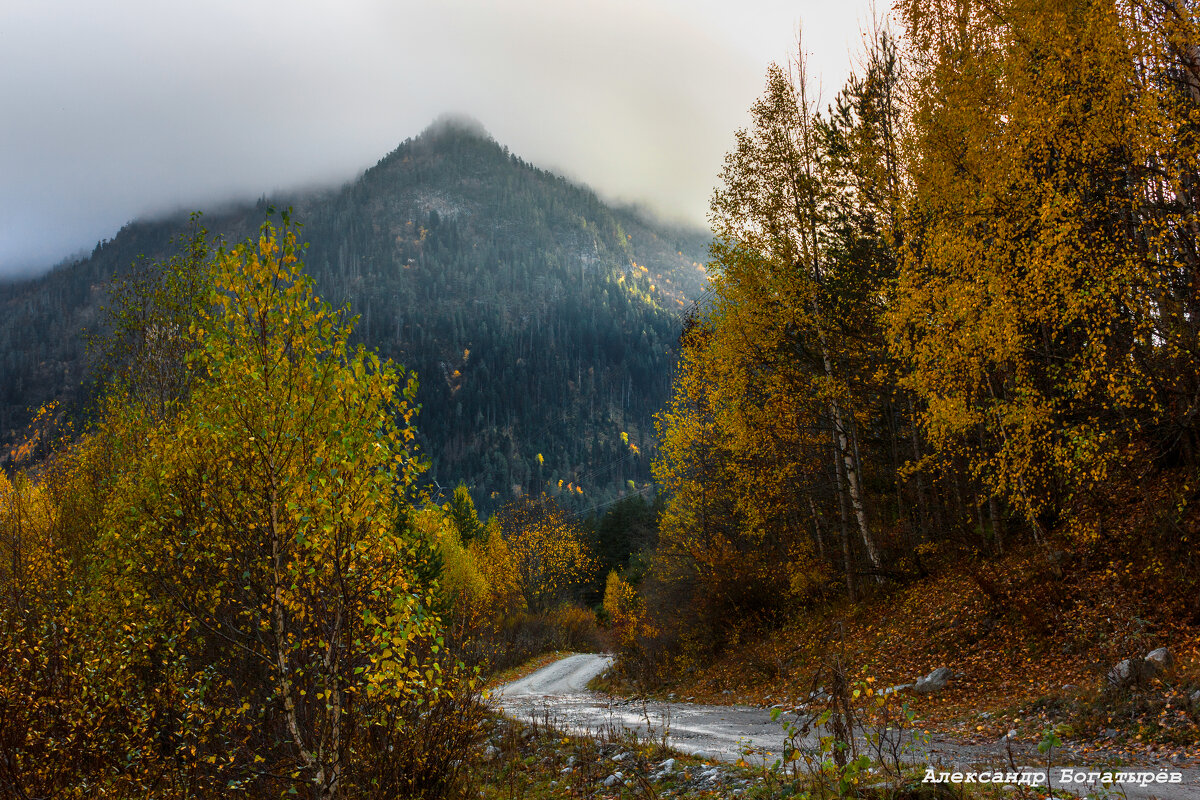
{"x":1030,"y":639}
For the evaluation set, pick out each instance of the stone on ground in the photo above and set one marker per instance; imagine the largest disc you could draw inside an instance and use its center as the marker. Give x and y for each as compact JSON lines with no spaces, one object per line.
{"x":934,"y":681}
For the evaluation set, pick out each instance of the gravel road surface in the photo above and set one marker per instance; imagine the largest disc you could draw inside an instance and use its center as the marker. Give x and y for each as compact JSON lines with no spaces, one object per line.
{"x":558,"y":694}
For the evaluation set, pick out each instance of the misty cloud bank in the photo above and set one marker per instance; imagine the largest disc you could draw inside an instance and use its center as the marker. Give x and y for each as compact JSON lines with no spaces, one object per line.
{"x":111,"y":115}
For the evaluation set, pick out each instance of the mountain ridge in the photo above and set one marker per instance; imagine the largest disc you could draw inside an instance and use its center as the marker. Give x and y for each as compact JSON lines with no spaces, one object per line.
{"x":540,"y":320}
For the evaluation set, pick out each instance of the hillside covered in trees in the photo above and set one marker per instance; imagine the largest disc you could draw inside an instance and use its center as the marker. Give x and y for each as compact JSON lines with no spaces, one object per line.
{"x":541,"y":323}
{"x":952,"y":363}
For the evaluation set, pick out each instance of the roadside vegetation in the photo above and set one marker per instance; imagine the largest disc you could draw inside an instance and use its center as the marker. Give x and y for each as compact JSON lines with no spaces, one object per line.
{"x":939,"y":410}
{"x":231,"y":583}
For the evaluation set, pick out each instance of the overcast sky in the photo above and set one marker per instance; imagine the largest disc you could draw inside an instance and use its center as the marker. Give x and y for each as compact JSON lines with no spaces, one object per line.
{"x":114,"y":110}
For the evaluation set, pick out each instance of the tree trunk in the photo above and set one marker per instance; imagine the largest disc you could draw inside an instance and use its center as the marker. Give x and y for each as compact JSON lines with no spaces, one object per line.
{"x":817,"y":529}
{"x":852,"y":484}
{"x":847,"y":561}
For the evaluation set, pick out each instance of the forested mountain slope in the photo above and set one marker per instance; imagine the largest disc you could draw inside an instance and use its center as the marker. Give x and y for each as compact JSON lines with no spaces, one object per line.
{"x":541,"y":322}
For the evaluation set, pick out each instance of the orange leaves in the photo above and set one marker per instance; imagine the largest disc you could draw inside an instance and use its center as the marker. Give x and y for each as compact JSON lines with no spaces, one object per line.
{"x":1038,"y":302}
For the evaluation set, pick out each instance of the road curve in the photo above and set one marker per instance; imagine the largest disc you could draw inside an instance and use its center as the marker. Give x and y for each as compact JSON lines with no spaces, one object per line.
{"x":564,"y":678}
{"x":558,"y":694}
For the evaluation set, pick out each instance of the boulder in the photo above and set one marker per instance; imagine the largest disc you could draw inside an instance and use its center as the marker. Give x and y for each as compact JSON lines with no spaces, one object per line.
{"x":1162,"y":660}
{"x":934,"y":681}
{"x":1123,"y":674}
{"x":1195,"y":698}
{"x":1140,"y":671}
{"x":1132,"y":672}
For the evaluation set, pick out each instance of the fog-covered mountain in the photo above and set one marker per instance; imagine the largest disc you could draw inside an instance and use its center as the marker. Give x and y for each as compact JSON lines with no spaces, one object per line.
{"x":541,"y":321}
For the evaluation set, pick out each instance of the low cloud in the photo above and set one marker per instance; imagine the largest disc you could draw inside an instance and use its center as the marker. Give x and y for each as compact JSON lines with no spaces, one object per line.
{"x":114,"y":114}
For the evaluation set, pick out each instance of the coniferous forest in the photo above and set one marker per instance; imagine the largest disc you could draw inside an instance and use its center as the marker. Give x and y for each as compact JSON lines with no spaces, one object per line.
{"x":907,"y":445}
{"x":542,"y":323}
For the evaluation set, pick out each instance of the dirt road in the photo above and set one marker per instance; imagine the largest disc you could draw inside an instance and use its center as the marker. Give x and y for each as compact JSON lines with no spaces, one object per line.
{"x":558,"y":693}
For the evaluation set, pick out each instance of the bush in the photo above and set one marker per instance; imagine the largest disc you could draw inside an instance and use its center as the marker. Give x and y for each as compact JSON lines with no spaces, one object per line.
{"x":424,"y":750}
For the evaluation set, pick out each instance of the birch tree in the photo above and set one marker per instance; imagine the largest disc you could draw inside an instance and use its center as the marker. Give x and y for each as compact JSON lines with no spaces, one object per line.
{"x":258,"y":529}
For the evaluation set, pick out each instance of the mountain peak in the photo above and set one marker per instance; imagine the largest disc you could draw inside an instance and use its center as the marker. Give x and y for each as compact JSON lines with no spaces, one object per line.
{"x":451,"y":123}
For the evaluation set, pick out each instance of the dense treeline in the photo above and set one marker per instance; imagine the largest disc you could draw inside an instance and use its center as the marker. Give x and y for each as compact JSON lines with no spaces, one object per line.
{"x":551,"y":336}
{"x":542,"y":322}
{"x":954,"y":311}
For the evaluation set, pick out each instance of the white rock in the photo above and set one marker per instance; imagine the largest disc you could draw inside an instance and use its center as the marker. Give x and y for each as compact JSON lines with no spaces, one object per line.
{"x":1121,"y":674}
{"x":1162,"y":659}
{"x":614,"y":779}
{"x":934,"y":681}
{"x":1131,"y":672}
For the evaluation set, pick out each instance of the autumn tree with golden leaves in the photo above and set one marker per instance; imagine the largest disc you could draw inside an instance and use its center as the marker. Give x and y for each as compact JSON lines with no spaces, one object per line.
{"x":547,"y":550}
{"x":244,"y":613}
{"x":1046,"y":304}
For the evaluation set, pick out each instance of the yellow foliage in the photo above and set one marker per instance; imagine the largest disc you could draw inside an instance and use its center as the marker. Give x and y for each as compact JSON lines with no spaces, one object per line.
{"x":31,"y":560}
{"x":462,"y":583}
{"x":1043,"y":297}
{"x":547,"y":550}
{"x":495,"y":562}
{"x":265,"y":510}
